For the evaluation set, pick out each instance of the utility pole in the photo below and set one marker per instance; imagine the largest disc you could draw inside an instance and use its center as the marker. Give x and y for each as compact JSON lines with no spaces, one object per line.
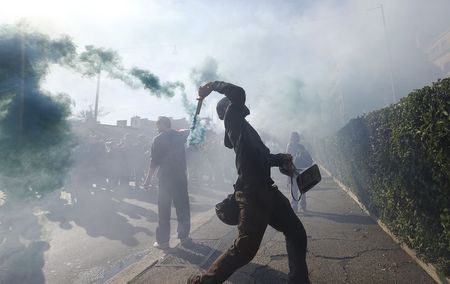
{"x":97,"y":95}
{"x":388,"y":48}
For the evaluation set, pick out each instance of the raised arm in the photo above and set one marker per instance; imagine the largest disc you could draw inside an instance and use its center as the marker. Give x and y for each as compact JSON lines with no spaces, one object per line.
{"x":235,"y":93}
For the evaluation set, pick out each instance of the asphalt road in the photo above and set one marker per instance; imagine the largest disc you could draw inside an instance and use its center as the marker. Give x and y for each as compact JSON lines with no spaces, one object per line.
{"x":85,"y":233}
{"x":93,"y":233}
{"x":345,"y":245}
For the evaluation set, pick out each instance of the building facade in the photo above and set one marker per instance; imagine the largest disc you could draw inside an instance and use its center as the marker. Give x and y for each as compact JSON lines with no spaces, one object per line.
{"x":439,"y":53}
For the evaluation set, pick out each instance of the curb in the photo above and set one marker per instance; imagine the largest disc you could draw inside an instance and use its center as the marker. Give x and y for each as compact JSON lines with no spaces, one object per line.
{"x":429,"y":268}
{"x":135,"y":270}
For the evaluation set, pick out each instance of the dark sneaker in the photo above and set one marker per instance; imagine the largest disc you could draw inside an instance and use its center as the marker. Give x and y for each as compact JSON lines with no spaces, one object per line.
{"x":162,"y":246}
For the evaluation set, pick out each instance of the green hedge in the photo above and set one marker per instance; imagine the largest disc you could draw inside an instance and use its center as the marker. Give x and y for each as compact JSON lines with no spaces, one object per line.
{"x":397,"y":161}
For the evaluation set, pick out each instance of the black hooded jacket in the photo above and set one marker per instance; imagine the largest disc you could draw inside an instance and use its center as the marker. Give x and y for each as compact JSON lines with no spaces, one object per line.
{"x":253,"y":158}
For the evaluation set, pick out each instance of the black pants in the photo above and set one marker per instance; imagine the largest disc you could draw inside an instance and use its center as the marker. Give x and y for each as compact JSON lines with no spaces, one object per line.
{"x":257,"y":210}
{"x":174,"y":189}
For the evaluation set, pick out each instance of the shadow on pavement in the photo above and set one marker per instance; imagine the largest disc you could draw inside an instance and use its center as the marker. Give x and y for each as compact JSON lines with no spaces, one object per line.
{"x":341,"y":218}
{"x":104,"y":212}
{"x":200,"y":255}
{"x":21,"y":250}
{"x":192,"y":253}
{"x":195,"y":207}
{"x":218,"y":191}
{"x":260,"y":274}
{"x":319,"y":188}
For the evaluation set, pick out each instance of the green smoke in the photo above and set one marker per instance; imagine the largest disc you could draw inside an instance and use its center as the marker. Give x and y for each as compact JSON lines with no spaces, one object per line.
{"x":152,"y":83}
{"x":96,"y":60}
{"x":35,"y":137}
{"x":199,"y":126}
{"x":200,"y":75}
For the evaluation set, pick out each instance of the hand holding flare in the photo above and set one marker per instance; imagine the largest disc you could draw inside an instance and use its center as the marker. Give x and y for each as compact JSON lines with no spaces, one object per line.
{"x":203,"y":92}
{"x":197,"y":112}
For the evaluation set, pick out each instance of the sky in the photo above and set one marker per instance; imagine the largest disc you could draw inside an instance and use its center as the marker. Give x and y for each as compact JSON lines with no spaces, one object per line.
{"x":303,"y":64}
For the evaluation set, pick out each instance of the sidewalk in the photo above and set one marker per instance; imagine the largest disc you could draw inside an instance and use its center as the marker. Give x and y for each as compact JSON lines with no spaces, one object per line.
{"x":344,"y":246}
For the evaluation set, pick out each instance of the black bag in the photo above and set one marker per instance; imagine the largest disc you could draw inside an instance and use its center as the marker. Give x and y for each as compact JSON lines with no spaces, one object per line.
{"x":228,"y":211}
{"x":308,"y":178}
{"x":305,"y":180}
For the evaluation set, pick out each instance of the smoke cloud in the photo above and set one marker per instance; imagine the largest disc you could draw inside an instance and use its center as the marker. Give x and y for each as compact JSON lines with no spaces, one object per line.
{"x":152,"y":83}
{"x":200,"y":75}
{"x":310,"y":66}
{"x":206,"y":72}
{"x":338,"y":51}
{"x":35,"y":136}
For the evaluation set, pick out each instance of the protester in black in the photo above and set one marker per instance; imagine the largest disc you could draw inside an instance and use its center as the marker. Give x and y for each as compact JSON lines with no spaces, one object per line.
{"x":260,"y":202}
{"x":168,"y":156}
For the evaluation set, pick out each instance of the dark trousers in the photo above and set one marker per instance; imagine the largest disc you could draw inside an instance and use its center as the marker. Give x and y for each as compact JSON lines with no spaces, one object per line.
{"x":174,"y":190}
{"x":257,"y":210}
